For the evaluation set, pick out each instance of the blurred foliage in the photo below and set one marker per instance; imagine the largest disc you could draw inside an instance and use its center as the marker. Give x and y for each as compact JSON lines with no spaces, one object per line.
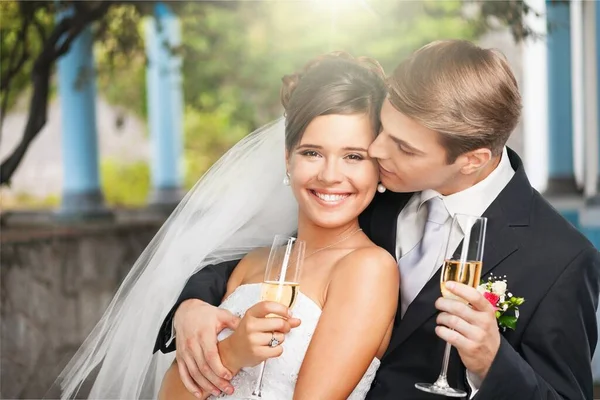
{"x":207,"y":136}
{"x":240,"y":55}
{"x":20,"y":41}
{"x":20,"y":200}
{"x":125,"y":185}
{"x":234,"y":58}
{"x":235,"y":52}
{"x":120,"y":59}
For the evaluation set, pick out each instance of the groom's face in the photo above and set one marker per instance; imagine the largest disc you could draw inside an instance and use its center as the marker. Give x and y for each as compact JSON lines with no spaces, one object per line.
{"x":410,"y":156}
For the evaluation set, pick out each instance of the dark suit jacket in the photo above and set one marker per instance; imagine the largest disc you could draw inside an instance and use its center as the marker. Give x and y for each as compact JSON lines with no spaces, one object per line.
{"x":545,"y":259}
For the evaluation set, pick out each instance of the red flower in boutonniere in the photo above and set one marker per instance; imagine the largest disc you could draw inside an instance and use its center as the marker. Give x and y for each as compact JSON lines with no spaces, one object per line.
{"x":493,"y":298}
{"x":507,"y":305}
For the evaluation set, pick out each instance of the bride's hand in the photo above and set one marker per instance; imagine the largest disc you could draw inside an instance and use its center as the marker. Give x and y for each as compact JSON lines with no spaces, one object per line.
{"x":249,"y":344}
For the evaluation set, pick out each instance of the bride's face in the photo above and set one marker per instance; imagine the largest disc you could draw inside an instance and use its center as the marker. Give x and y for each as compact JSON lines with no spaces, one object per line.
{"x":332,"y":176}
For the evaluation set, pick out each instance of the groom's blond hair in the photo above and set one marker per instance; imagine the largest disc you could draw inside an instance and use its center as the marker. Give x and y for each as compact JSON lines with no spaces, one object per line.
{"x":467,"y":94}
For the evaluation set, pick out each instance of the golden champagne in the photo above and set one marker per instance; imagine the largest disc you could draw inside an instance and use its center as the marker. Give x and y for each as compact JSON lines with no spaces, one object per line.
{"x":468,"y":273}
{"x":284,"y":293}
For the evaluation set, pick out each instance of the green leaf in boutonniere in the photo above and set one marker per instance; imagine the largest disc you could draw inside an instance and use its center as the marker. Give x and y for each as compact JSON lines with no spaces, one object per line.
{"x":516,"y":301}
{"x":507,"y":321}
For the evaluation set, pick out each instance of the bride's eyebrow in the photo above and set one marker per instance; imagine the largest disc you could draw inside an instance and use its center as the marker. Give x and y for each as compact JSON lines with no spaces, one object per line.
{"x":309,"y":146}
{"x":315,"y":146}
{"x":355,"y":149}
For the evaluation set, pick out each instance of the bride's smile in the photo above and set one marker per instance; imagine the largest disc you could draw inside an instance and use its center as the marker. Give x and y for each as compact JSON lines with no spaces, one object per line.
{"x":329,"y":199}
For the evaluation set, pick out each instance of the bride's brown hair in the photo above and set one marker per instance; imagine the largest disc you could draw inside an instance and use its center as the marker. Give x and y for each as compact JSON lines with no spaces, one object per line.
{"x":334,"y":83}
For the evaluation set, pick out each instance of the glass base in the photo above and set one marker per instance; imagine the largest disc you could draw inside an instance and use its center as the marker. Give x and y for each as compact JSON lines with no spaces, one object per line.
{"x":444,"y":391}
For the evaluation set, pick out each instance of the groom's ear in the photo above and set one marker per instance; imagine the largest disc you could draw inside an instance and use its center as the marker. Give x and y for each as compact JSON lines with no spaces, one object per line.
{"x":475,"y":160}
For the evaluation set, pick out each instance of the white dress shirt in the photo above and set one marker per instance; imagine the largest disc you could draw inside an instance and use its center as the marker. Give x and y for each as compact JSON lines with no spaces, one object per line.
{"x":472,"y":201}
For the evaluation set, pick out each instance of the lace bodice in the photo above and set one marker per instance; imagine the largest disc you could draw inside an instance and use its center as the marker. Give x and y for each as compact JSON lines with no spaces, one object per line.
{"x":281,"y":373}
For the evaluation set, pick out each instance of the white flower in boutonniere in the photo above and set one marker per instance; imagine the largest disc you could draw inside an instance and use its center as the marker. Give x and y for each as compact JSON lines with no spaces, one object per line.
{"x":506,"y":305}
{"x":499,"y":287}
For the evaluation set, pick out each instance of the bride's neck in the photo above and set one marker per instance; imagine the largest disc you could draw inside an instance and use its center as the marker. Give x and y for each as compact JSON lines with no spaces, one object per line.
{"x":317,"y":237}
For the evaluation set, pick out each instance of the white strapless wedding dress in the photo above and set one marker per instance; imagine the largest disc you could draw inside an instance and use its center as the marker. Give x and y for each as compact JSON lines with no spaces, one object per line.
{"x":281,"y":373}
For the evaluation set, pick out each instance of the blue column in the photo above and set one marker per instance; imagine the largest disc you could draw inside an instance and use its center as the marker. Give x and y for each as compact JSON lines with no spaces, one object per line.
{"x":165,"y":105}
{"x":82,"y":196}
{"x":560,"y":144}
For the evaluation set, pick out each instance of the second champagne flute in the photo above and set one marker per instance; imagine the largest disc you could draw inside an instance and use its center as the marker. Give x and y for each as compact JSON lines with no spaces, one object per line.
{"x":464,"y":266}
{"x":282,"y":281}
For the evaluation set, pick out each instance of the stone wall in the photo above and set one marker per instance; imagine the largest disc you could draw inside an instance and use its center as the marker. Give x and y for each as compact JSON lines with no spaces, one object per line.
{"x":56,"y":283}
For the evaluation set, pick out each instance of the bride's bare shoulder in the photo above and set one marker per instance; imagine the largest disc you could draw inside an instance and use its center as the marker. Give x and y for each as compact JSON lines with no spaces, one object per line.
{"x":368,"y":255}
{"x":369,"y":263}
{"x":251,"y":267}
{"x":255,"y":259}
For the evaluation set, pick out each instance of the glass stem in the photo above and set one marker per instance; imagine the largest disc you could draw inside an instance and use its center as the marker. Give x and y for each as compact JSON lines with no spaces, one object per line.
{"x":442,"y":380}
{"x":258,"y":388}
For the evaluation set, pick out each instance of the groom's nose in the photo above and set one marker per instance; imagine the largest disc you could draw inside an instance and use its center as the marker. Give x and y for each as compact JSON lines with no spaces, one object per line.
{"x":377,"y":148}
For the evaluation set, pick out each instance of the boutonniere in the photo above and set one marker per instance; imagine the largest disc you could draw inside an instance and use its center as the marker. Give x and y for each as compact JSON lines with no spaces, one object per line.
{"x":507,"y":305}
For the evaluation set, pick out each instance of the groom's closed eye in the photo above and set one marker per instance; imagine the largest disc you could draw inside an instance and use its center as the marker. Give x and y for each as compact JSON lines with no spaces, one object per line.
{"x":406,"y":152}
{"x":405,"y":147}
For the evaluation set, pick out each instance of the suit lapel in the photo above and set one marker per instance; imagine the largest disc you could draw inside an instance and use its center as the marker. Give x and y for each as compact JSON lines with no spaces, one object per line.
{"x":510,"y":209}
{"x":385,"y":216}
{"x":420,"y":310}
{"x":500,"y":240}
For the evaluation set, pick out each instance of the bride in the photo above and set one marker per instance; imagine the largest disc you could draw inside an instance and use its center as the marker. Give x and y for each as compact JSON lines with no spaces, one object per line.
{"x":343,"y":318}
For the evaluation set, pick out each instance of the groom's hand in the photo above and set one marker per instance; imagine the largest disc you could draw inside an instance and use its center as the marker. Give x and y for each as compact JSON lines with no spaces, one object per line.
{"x":197,"y":325}
{"x":473,"y":330}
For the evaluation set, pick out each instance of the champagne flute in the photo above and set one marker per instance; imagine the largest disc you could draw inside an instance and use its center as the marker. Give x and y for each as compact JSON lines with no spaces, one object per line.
{"x":464,"y":266}
{"x":281,"y":282}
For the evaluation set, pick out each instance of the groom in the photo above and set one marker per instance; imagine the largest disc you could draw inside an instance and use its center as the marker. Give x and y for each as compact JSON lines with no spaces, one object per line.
{"x":450,"y":101}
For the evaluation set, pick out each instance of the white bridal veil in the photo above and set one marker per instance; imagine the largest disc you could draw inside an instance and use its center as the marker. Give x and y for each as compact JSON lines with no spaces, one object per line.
{"x":238,"y":205}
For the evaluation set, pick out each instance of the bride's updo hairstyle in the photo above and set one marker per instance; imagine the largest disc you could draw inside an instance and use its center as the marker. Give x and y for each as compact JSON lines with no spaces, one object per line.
{"x":334,"y":83}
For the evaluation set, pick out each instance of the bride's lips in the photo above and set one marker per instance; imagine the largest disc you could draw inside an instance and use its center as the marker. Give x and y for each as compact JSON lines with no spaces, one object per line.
{"x":329,"y":199}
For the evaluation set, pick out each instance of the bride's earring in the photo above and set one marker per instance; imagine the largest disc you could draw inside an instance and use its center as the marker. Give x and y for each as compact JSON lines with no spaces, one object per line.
{"x":381,"y":188}
{"x":286,"y":179}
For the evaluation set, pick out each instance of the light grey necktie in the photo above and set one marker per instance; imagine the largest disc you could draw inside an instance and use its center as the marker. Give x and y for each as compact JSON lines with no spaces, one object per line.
{"x":418,"y":265}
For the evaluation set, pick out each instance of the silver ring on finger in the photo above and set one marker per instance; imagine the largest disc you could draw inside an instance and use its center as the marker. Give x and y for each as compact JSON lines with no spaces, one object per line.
{"x":274,"y":342}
